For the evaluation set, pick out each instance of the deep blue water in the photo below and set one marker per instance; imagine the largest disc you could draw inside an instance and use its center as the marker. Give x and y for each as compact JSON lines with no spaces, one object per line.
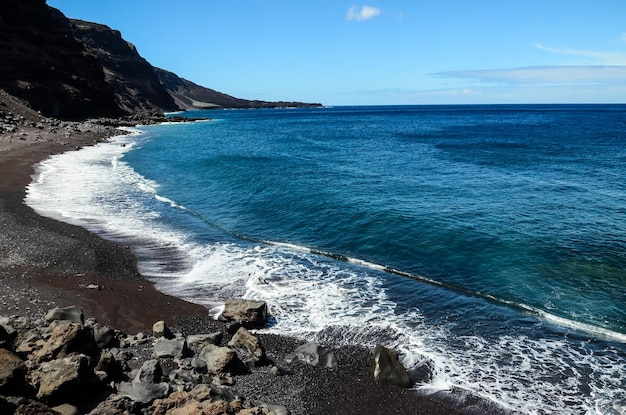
{"x":488,"y":240}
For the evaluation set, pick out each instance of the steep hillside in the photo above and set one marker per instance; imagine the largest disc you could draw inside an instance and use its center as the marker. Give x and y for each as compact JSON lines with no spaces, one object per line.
{"x":189,"y":95}
{"x":136,"y":85}
{"x":42,"y":62}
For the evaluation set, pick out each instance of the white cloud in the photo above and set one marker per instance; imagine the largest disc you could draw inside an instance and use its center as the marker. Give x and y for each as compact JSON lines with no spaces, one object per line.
{"x":596,"y":57}
{"x":366,"y":13}
{"x":545,"y":75}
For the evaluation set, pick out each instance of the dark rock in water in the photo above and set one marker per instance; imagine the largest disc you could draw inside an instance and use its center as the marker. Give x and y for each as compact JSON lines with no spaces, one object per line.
{"x":248,"y":348}
{"x":12,"y":372}
{"x":143,"y":392}
{"x":72,"y":314}
{"x":315,"y":355}
{"x":251,"y":314}
{"x":387,"y":368}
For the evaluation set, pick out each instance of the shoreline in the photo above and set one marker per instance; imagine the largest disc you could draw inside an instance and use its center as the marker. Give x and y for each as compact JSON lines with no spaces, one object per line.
{"x":47,"y":263}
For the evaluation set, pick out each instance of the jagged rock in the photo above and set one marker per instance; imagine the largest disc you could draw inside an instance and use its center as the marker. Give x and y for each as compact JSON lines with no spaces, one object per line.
{"x":198,"y":365}
{"x":143,"y":392}
{"x":109,"y":365}
{"x":221,"y":359}
{"x":115,"y":405}
{"x":67,"y":409}
{"x":171,"y":348}
{"x":250,"y":314}
{"x":150,"y":372}
{"x":72,"y":313}
{"x":248,"y":348}
{"x":315,"y":355}
{"x":34,"y":408}
{"x":197,"y":341}
{"x":160,"y":329}
{"x":105,"y":336}
{"x":387,"y":368}
{"x":67,"y":339}
{"x":184,"y":403}
{"x":12,"y":372}
{"x":60,"y":380}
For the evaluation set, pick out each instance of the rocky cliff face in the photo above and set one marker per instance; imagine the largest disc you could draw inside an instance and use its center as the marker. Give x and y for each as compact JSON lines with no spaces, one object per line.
{"x":136,"y":85}
{"x":77,"y":69}
{"x":42,"y":62}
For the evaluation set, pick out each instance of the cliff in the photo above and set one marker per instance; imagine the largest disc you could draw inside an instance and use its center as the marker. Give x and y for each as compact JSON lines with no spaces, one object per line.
{"x":74,"y":69}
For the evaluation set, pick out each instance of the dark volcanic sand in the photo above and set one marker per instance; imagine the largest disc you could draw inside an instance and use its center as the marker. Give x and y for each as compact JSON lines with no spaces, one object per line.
{"x":45,"y":263}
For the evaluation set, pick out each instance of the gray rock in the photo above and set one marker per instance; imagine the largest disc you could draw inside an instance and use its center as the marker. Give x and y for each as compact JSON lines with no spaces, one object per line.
{"x":250,"y":314}
{"x":171,"y":347}
{"x":73,"y":314}
{"x":160,"y":329}
{"x":115,"y":405}
{"x":274,"y":409}
{"x":104,"y":337}
{"x":221,"y":360}
{"x":386,"y":368}
{"x":67,"y":409}
{"x":248,"y":348}
{"x":143,"y":392}
{"x":315,"y":355}
{"x":150,"y":372}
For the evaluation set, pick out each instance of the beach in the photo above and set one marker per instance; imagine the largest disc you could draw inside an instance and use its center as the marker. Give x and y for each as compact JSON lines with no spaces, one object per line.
{"x":46,"y":263}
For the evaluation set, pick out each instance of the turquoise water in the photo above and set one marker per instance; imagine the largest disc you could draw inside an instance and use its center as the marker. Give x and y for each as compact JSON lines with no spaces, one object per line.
{"x":489,"y":241}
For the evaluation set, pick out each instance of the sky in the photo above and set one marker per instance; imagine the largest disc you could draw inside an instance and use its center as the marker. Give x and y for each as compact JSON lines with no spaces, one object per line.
{"x":392,"y":52}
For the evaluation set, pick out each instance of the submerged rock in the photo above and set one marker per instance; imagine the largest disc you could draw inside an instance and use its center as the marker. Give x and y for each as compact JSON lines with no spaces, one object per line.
{"x":386,"y":368}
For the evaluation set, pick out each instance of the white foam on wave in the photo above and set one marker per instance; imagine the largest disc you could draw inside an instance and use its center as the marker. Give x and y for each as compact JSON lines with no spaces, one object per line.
{"x":317,"y":298}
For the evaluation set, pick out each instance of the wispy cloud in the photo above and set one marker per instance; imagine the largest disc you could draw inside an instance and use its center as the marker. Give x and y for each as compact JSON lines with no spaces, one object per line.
{"x":596,"y":57}
{"x":544,"y":75}
{"x":366,"y":13}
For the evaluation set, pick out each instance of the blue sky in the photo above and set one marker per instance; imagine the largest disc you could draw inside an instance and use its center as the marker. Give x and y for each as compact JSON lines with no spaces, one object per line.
{"x":381,"y":52}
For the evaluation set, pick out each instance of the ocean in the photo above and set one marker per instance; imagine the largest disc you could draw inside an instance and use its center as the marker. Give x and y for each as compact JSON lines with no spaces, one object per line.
{"x":485,"y":242}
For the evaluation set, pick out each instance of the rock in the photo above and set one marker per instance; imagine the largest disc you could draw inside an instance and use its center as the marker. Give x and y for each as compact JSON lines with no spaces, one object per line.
{"x":12,"y":372}
{"x":386,"y":368}
{"x":251,"y":314}
{"x":105,"y":337}
{"x":171,"y":348}
{"x":67,"y":339}
{"x":150,"y":372}
{"x":62,"y":380}
{"x":221,"y":360}
{"x":197,"y":341}
{"x":34,"y":408}
{"x":315,"y":355}
{"x":248,"y":348}
{"x":143,"y":392}
{"x":114,"y":405}
{"x":67,"y":409}
{"x":160,"y":329}
{"x":274,"y":409}
{"x":72,"y":313}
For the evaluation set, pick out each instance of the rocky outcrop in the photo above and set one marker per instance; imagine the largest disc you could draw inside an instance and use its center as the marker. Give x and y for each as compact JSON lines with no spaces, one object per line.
{"x":44,"y":64}
{"x":189,"y":95}
{"x":134,"y":81}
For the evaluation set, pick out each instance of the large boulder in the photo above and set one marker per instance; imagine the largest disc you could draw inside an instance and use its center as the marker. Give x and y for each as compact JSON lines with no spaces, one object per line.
{"x":12,"y":372}
{"x":71,"y":314}
{"x":160,"y":329}
{"x":248,"y":348}
{"x":197,"y":341}
{"x":150,"y":372}
{"x":221,"y":360}
{"x":315,"y":355}
{"x":250,"y":314}
{"x":386,"y":368}
{"x":171,"y":347}
{"x":68,"y":339}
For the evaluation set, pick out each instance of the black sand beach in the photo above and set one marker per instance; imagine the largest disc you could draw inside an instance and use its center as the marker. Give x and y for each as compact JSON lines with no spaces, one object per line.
{"x":45,"y":263}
